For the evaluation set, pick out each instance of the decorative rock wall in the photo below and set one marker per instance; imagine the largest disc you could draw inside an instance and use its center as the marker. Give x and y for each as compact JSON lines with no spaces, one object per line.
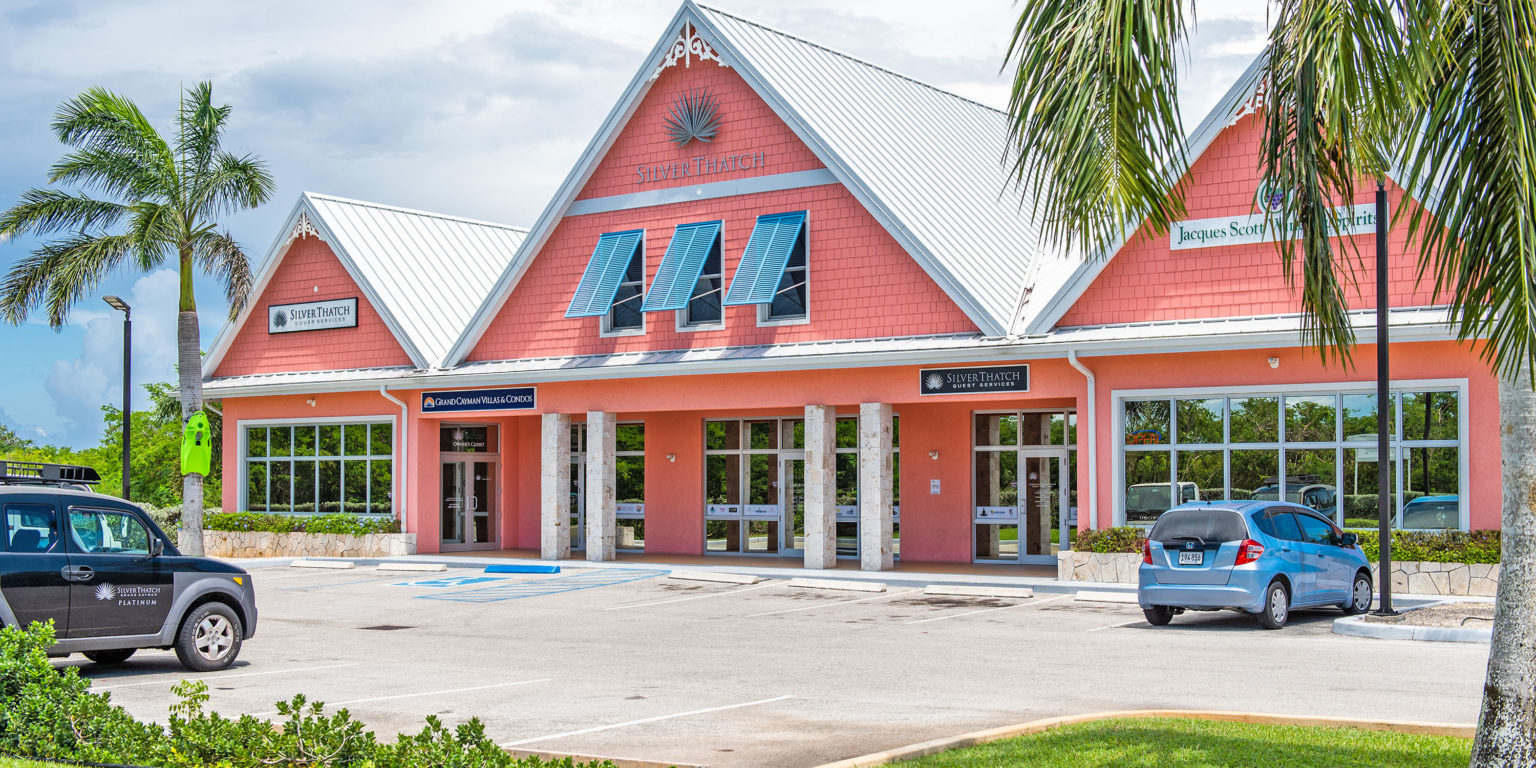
{"x":1115,"y":567}
{"x":240,"y":544}
{"x":1410,"y":577}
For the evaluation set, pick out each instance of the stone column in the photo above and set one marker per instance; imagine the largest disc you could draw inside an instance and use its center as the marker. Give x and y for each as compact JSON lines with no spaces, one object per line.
{"x":820,"y":486}
{"x":601,"y":500}
{"x":555,"y":487}
{"x":875,"y":489}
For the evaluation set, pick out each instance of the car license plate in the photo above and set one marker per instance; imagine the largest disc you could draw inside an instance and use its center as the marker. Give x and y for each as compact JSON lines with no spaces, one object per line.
{"x":1191,"y":558}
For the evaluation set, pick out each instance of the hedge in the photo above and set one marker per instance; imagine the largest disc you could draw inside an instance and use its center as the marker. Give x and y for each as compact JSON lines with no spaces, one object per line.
{"x":1435,"y":546}
{"x":343,"y":524}
{"x":1124,"y":539}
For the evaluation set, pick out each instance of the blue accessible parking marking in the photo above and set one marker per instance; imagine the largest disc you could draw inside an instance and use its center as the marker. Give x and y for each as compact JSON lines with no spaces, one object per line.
{"x":518,"y":590}
{"x":449,"y":581}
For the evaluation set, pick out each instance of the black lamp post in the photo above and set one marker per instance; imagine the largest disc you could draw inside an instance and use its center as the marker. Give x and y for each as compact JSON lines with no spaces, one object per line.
{"x":122,"y":306}
{"x":1384,"y":506}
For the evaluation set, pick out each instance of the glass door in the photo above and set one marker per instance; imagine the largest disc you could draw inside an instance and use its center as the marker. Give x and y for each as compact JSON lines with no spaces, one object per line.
{"x":468,"y":504}
{"x":453,"y":502}
{"x":1044,"y":482}
{"x":792,"y":501}
{"x":578,"y":502}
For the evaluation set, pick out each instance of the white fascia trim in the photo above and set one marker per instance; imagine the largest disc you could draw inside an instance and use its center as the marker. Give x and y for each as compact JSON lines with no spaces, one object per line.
{"x":714,"y":190}
{"x":544,"y":226}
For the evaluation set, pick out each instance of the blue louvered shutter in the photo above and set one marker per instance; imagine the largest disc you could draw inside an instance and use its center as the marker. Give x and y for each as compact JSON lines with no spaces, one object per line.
{"x":679,"y":270}
{"x":762,"y":264}
{"x":594,"y":294}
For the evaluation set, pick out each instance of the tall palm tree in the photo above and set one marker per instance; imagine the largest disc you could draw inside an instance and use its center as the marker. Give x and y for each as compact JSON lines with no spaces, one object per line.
{"x":1443,"y":92}
{"x":158,"y":200}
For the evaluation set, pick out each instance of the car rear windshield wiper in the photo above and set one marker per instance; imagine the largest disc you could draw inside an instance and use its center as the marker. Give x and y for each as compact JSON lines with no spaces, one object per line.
{"x":1187,"y":538}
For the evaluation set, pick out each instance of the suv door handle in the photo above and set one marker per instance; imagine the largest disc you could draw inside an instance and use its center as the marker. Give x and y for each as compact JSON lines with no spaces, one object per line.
{"x":78,"y":573}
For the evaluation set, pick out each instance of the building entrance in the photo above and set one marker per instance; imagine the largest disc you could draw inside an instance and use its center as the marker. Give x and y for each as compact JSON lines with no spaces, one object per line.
{"x":468,"y":490}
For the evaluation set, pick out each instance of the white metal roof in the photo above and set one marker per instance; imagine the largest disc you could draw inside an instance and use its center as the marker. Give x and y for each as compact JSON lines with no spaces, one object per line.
{"x":424,"y":273}
{"x":930,"y":166}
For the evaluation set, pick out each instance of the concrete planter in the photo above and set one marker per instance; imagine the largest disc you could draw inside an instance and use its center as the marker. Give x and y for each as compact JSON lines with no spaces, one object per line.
{"x":1461,"y":579}
{"x":1113,"y":567}
{"x":239,"y":544}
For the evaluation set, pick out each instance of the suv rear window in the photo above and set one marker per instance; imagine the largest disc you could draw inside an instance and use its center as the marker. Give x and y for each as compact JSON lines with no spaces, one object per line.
{"x":1208,"y":525}
{"x":29,"y":528}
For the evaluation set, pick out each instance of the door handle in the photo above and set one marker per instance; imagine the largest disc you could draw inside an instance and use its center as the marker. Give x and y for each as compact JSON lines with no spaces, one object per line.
{"x":78,"y":573}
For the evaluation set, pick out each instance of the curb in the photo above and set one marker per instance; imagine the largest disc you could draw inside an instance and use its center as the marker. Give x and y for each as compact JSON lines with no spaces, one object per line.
{"x":718,"y":578}
{"x":1357,"y":626}
{"x":1037,"y":726}
{"x":836,"y":584}
{"x":966,"y":591}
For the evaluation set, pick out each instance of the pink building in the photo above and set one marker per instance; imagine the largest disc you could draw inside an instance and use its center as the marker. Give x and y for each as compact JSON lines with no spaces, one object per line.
{"x":788,"y":304}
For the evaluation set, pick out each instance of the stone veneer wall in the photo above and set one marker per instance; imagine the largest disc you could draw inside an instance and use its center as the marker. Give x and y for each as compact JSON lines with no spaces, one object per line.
{"x":261,"y":544}
{"x":1410,"y":577}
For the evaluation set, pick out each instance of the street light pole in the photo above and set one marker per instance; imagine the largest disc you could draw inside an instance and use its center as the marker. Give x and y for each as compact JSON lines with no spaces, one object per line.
{"x":122,"y":306}
{"x":1384,"y":507}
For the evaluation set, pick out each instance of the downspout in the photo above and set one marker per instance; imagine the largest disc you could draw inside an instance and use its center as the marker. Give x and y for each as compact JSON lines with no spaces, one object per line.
{"x":403,"y":470}
{"x":1093,"y":440}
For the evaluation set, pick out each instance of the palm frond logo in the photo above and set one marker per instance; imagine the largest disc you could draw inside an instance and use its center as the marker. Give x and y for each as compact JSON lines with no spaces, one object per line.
{"x":693,"y":116}
{"x":934,"y":381}
{"x":106,"y":591}
{"x":280,"y":319}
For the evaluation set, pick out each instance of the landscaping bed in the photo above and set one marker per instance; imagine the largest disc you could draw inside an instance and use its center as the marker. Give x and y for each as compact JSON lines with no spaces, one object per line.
{"x":1189,"y":743}
{"x":1453,"y":616}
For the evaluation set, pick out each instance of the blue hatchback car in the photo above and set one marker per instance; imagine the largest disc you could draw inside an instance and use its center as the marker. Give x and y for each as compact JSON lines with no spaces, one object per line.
{"x":1260,"y":557}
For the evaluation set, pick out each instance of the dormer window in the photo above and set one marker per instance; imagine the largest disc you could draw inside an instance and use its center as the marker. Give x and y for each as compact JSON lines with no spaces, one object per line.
{"x":624,"y":315}
{"x":774,"y":273}
{"x":611,"y":286}
{"x":689,"y":280}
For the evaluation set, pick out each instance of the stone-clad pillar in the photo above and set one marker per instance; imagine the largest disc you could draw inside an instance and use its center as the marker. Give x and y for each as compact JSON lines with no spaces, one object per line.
{"x":555,"y":487}
{"x":820,"y":486}
{"x":601,"y":498}
{"x":875,"y":488}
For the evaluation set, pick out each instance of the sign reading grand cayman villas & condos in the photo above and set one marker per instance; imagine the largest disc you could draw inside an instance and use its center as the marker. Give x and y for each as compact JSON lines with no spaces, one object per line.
{"x":312,"y":316}
{"x":504,"y":399}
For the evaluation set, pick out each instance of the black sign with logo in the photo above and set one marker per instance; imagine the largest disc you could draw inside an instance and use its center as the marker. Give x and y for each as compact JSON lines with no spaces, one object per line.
{"x":509,"y":399}
{"x":973,"y":381}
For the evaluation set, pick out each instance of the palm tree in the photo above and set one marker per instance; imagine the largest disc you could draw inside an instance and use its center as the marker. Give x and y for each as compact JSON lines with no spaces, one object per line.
{"x":158,"y":200}
{"x":1443,"y":92}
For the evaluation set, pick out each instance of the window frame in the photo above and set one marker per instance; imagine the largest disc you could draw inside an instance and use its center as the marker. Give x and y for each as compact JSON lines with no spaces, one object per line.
{"x":606,"y":328}
{"x":765,"y":318}
{"x":242,"y":426}
{"x":681,"y":316}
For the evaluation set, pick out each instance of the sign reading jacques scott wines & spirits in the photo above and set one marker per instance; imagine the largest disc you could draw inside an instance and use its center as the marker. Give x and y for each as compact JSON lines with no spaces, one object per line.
{"x":504,"y":399}
{"x":974,"y":380}
{"x":312,"y":316}
{"x":1251,"y":228}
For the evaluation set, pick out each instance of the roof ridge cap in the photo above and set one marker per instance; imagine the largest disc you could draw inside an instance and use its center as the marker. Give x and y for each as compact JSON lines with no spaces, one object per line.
{"x":414,"y":211}
{"x":851,"y":57}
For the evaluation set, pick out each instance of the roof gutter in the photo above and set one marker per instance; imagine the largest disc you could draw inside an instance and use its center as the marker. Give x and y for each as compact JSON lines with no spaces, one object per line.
{"x":1093,"y":439}
{"x":403,"y":454}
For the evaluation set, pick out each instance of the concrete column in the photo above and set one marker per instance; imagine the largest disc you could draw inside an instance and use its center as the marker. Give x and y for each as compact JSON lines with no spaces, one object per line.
{"x":601,"y":499}
{"x":555,"y":487}
{"x":875,"y":490}
{"x":820,"y":486}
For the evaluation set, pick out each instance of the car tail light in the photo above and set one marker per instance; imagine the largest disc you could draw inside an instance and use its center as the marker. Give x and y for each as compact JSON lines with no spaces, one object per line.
{"x":1146,"y":552}
{"x":1249,"y":551}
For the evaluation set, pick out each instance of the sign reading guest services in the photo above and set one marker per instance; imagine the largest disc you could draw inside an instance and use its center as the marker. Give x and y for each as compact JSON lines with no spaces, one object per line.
{"x":505,"y":399}
{"x":973,"y":380}
{"x":312,"y":316}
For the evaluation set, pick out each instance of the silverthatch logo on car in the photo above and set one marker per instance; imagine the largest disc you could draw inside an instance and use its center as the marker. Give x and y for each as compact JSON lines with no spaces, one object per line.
{"x":127,"y":596}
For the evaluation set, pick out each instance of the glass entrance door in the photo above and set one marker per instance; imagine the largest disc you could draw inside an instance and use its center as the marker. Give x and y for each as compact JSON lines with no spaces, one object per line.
{"x":792,"y":501}
{"x":1023,"y":511}
{"x":578,"y":502}
{"x":468,"y":501}
{"x":1043,"y":494}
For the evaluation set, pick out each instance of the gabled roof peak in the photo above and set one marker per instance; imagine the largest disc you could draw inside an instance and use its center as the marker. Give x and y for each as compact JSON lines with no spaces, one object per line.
{"x":411,"y":211}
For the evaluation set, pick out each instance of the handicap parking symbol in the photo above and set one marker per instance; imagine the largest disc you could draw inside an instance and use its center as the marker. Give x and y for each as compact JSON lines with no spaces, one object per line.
{"x":450,"y":581}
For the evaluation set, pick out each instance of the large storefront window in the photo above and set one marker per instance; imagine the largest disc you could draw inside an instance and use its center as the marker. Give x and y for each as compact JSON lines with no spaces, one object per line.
{"x":1317,"y":449}
{"x":1025,"y":507}
{"x":628,"y":483}
{"x":320,"y":468}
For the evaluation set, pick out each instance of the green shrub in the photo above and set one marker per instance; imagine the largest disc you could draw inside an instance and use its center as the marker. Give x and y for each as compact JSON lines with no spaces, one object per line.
{"x":1124,"y":539}
{"x":266,"y":523}
{"x":1435,"y":546}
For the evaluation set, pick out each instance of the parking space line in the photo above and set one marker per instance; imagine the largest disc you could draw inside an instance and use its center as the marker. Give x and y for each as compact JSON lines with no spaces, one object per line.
{"x":1117,"y":626}
{"x":829,"y":605}
{"x":220,"y":677}
{"x":696,"y":597}
{"x":423,"y":693}
{"x":968,"y":613}
{"x":643,"y":721}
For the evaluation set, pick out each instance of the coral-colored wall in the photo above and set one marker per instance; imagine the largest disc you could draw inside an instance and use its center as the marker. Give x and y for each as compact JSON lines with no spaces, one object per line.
{"x":309,"y":265}
{"x":1412,"y":361}
{"x":747,"y":126}
{"x":862,"y":284}
{"x":1147,"y":281}
{"x":936,"y":528}
{"x":674,"y":491}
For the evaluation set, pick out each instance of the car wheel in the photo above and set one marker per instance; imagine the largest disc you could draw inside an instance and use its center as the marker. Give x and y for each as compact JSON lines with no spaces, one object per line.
{"x":115,"y":656}
{"x":209,"y":639}
{"x":1158,"y":615}
{"x":1277,"y":606}
{"x":1359,"y":596}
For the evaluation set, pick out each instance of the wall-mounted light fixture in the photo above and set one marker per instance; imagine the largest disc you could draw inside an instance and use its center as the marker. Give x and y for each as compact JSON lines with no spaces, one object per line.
{"x":311,"y":402}
{"x":933,"y":455}
{"x":1274,"y":362}
{"x":672,"y":457}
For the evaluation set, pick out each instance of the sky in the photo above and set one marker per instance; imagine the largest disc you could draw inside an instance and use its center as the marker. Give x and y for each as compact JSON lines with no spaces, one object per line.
{"x":475,"y":109}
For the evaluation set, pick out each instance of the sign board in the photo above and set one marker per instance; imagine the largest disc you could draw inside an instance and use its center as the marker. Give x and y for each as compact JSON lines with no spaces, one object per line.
{"x":761,"y":512}
{"x":996,"y":515}
{"x":1251,"y":228}
{"x":973,"y":380}
{"x":312,"y":316}
{"x":933,"y":487}
{"x":896,"y":513}
{"x":629,"y":511}
{"x":722,"y":512}
{"x":504,"y":399}
{"x":847,"y":513}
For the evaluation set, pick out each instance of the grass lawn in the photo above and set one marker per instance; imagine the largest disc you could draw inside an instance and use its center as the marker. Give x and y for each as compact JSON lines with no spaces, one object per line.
{"x":6,"y":762}
{"x":1178,"y":743}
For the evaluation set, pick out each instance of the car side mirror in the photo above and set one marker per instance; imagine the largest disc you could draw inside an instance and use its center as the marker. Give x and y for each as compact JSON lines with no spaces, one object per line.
{"x":1349,"y":540}
{"x":156,"y":547}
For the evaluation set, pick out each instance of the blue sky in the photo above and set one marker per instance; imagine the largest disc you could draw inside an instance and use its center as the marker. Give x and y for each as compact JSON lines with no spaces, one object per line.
{"x":470,"y":108}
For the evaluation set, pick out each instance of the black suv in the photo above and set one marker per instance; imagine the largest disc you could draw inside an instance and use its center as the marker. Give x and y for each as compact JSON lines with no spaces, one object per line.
{"x":108,"y":577}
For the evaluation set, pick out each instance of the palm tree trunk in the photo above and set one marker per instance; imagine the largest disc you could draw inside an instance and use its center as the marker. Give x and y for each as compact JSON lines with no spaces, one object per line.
{"x":189,"y":364}
{"x":1506,"y":730}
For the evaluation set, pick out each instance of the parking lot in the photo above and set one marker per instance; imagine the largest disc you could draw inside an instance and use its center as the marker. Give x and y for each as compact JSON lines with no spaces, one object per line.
{"x":630,"y":663}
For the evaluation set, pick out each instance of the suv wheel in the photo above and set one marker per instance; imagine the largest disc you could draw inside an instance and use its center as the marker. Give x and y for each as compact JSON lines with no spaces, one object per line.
{"x":209,"y":639}
{"x":1359,"y":596}
{"x":115,"y":656}
{"x":1158,"y":615}
{"x":1277,"y":606}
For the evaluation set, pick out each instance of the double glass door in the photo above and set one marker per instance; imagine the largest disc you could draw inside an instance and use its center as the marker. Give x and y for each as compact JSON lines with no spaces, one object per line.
{"x":468,"y":504}
{"x":1024,"y":505}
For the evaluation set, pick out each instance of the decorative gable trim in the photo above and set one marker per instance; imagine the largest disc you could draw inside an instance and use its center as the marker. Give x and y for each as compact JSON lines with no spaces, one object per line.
{"x":303,"y":228}
{"x":685,"y":48}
